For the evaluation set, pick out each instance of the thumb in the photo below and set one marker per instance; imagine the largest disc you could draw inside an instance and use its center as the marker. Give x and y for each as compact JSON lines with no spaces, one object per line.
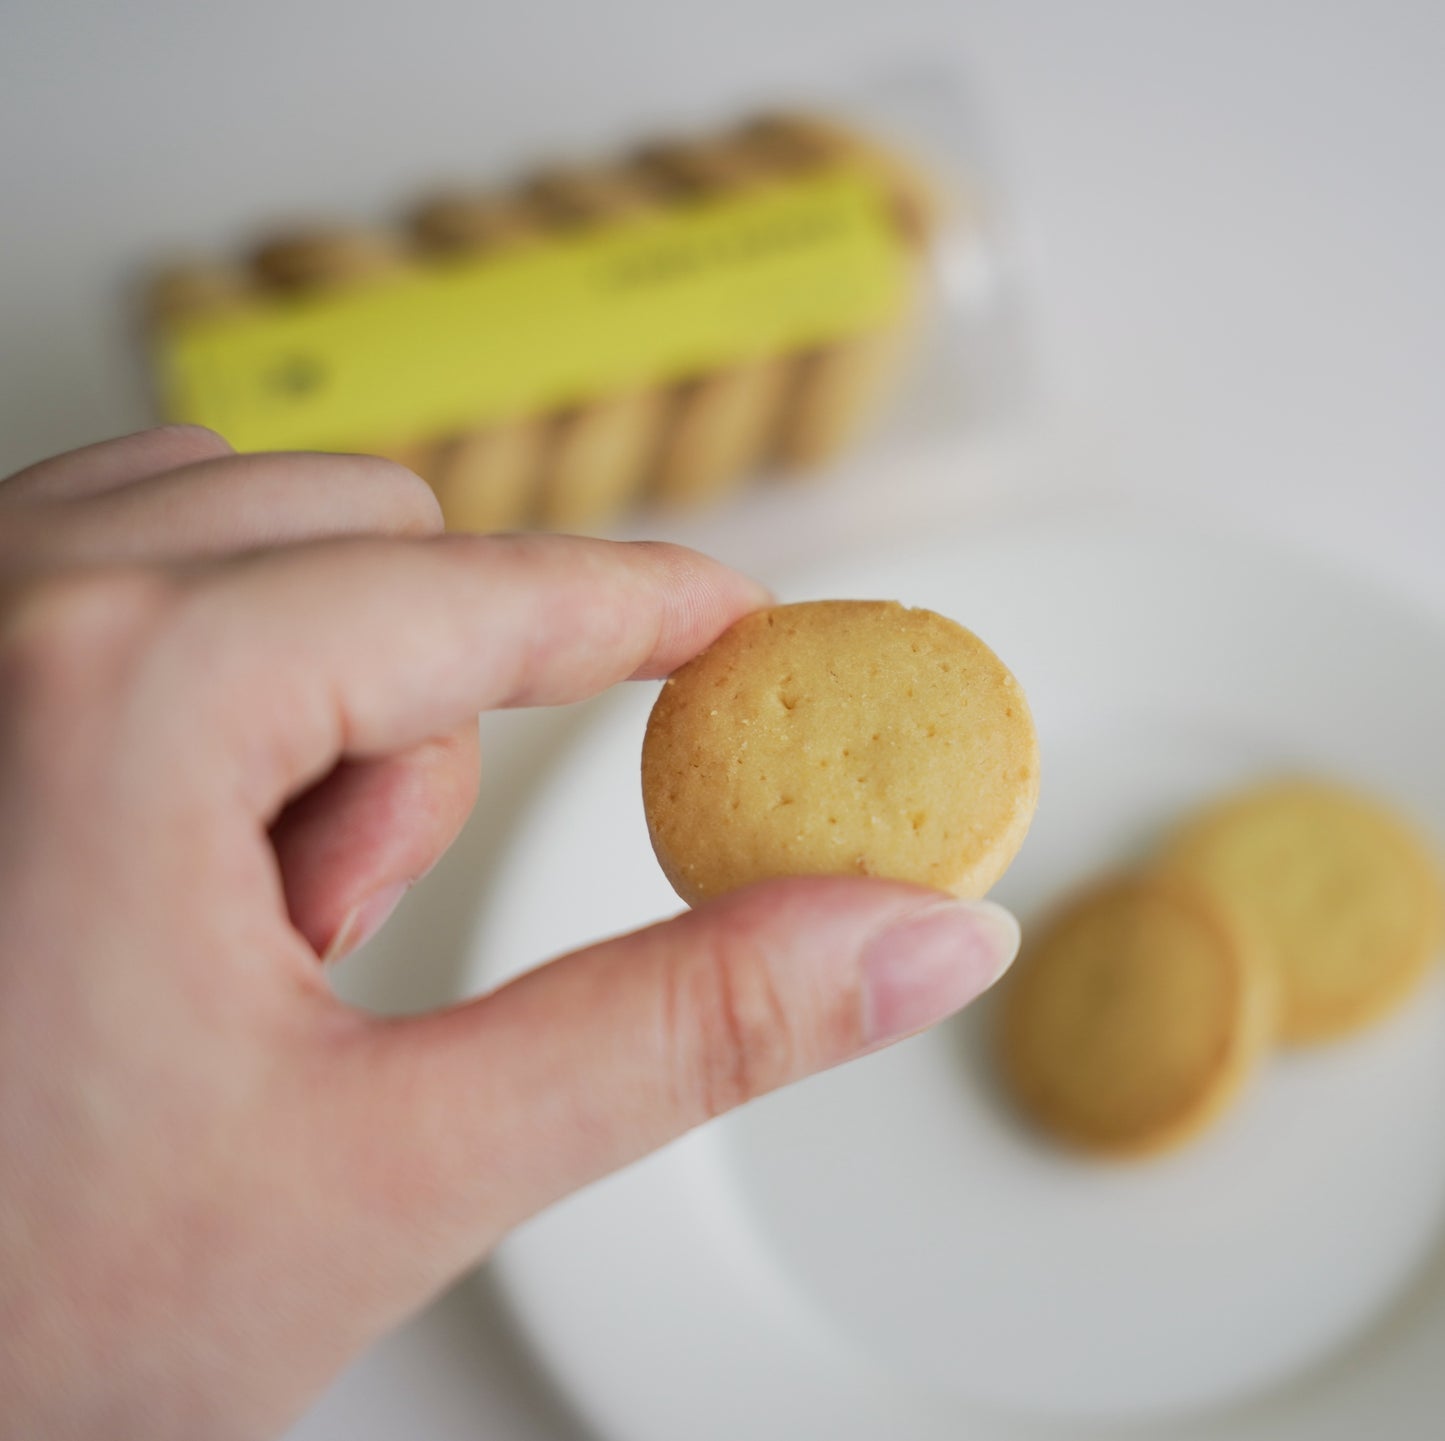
{"x":498,"y":1107}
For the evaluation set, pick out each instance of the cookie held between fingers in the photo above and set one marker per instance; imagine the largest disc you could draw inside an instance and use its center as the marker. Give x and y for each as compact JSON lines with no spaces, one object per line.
{"x":1134,"y":1017}
{"x":1344,"y":898}
{"x":840,"y":738}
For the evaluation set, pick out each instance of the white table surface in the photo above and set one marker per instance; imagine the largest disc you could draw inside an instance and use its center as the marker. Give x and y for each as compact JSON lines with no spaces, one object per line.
{"x":1233,"y":218}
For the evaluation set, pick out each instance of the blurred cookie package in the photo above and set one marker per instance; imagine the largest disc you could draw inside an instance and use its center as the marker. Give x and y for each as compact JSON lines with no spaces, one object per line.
{"x":656,"y":327}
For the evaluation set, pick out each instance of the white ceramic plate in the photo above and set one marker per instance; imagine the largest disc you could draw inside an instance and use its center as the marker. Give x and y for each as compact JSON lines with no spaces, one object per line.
{"x":882,"y":1252}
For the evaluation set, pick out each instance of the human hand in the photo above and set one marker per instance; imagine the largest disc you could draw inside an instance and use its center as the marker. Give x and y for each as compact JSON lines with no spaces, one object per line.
{"x":239,"y":706}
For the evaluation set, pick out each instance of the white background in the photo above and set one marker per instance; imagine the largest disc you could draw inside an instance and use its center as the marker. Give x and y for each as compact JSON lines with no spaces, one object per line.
{"x":1233,"y":221}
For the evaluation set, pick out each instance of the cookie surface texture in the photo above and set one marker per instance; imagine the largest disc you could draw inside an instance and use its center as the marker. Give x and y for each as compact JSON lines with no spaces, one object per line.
{"x":1341,"y":892}
{"x":1133,"y":1017}
{"x":840,"y":738}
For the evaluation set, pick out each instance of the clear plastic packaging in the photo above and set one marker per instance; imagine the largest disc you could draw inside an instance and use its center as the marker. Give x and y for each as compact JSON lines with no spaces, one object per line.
{"x":658,"y":326}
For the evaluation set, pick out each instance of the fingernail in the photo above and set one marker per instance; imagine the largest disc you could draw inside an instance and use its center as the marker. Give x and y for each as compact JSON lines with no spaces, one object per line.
{"x":931,"y":963}
{"x":364,"y":921}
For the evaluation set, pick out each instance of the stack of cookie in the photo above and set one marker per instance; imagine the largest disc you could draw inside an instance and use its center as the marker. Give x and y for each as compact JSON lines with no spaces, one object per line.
{"x":684,"y":440}
{"x":1291,"y":913}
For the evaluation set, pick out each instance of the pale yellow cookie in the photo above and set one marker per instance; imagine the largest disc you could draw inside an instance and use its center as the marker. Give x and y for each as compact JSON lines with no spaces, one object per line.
{"x":837,"y":390}
{"x":199,"y":289}
{"x":598,"y":454}
{"x":567,"y":197}
{"x":1343,"y":896}
{"x":716,"y":431}
{"x":1134,"y":1016}
{"x":595,"y":459}
{"x":803,"y":142}
{"x":718,"y":427}
{"x":324,"y":259}
{"x":840,"y":738}
{"x":469,"y":223}
{"x":486,"y":480}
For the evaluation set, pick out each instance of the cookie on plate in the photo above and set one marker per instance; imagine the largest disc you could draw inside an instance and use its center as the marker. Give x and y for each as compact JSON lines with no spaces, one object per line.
{"x":1134,"y":1016}
{"x":1342,"y":894}
{"x":840,"y":738}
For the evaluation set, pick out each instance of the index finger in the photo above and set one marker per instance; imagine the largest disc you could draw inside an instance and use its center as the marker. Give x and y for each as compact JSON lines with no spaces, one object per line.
{"x":359,"y":648}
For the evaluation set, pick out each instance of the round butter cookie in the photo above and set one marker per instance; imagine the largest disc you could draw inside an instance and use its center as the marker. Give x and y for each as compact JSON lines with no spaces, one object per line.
{"x":840,"y":738}
{"x":1342,"y":895}
{"x":1134,"y":1016}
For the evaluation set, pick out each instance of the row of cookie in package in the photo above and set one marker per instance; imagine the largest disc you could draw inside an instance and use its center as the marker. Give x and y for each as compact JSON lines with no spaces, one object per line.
{"x":657,"y":329}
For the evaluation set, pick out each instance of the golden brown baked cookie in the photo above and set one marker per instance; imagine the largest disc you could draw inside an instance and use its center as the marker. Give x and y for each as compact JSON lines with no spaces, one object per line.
{"x":324,"y":259}
{"x":840,"y":738}
{"x":198,"y":289}
{"x":719,"y":426}
{"x":486,"y":480}
{"x":1134,"y":1016}
{"x":716,"y":430}
{"x":1340,"y":892}
{"x":466,"y":223}
{"x":836,"y":390}
{"x":597,"y":454}
{"x":801,"y":142}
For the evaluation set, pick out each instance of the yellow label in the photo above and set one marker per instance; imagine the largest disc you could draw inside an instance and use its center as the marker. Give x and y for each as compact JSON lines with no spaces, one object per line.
{"x":654,"y":298}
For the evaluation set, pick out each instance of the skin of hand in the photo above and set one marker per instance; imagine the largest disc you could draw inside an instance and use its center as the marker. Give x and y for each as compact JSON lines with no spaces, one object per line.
{"x":238,"y":702}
